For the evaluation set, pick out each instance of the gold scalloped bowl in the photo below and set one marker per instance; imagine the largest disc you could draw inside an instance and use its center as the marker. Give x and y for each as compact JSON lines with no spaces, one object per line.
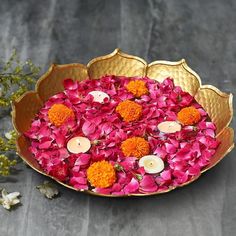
{"x":216,"y":103}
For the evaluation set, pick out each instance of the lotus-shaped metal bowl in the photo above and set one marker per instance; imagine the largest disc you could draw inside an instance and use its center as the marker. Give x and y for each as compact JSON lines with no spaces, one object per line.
{"x":216,"y":103}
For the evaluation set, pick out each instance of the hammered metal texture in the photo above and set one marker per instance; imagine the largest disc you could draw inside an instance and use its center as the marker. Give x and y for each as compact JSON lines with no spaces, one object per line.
{"x":179,"y":71}
{"x":24,"y":110}
{"x":217,"y":104}
{"x":116,"y":63}
{"x":51,"y":82}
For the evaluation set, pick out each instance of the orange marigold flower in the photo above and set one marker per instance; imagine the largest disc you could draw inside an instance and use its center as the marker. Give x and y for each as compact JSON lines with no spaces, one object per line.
{"x":137,"y":88}
{"x":129,"y":110}
{"x":189,"y":116}
{"x":135,"y":147}
{"x":60,"y":113}
{"x":101,"y":174}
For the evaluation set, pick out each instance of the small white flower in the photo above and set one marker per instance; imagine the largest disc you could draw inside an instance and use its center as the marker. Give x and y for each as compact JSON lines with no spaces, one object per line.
{"x":9,"y":199}
{"x":8,"y":135}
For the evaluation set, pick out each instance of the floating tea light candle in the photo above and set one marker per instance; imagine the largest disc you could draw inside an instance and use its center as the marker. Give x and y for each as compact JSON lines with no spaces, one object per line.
{"x":169,"y":127}
{"x":152,"y":164}
{"x":78,"y":145}
{"x":99,"y":96}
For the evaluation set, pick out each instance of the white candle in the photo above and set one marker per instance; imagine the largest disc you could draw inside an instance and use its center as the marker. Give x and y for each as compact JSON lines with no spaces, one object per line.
{"x":99,"y":96}
{"x":152,"y":164}
{"x":78,"y":145}
{"x":169,"y":127}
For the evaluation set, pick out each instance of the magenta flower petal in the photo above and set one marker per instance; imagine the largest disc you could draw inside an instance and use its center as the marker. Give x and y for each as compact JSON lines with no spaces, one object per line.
{"x":194,"y":170}
{"x":166,"y":174}
{"x":63,"y":153}
{"x":74,"y":96}
{"x":88,"y":128}
{"x":131,"y":187}
{"x":79,"y":182}
{"x":70,"y":84}
{"x":148,"y":184}
{"x":45,"y":145}
{"x":44,"y":131}
{"x":196,"y":148}
{"x":129,"y":163}
{"x":181,"y":176}
{"x":59,"y":138}
{"x":161,"y":102}
{"x":81,"y":186}
{"x":171,"y":116}
{"x":116,"y":187}
{"x":170,"y":148}
{"x":103,"y":190}
{"x":185,"y":99}
{"x":160,"y":152}
{"x":208,"y":142}
{"x":83,"y":159}
{"x":106,"y":128}
{"x":209,"y":132}
{"x":120,"y":193}
{"x":123,"y":178}
{"x":141,"y":171}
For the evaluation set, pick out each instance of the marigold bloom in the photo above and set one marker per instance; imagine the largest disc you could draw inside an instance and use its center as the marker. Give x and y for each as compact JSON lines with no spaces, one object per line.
{"x":135,"y":147}
{"x":137,"y":88}
{"x":101,"y":174}
{"x":59,"y":113}
{"x":189,"y":116}
{"x":129,"y":110}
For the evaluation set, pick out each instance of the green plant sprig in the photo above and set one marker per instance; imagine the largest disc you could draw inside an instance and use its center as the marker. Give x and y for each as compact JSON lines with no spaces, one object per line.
{"x":8,"y":143}
{"x":16,"y":78}
{"x":5,"y":165}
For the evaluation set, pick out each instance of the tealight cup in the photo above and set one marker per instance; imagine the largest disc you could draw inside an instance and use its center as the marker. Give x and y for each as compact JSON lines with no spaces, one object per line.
{"x":78,"y":145}
{"x":169,"y":127}
{"x":99,"y":96}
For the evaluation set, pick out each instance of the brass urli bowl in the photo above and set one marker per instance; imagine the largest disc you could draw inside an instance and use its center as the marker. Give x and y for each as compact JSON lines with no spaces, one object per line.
{"x":219,"y":105}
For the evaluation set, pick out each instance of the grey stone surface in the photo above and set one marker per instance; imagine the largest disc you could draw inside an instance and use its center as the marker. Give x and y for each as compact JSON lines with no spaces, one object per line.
{"x":201,"y":31}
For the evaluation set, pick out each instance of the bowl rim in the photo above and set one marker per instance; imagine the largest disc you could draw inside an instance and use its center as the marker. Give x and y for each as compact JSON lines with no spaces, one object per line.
{"x":117,"y":51}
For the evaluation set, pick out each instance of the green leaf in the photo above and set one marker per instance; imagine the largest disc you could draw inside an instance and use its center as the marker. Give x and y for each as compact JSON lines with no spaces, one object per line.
{"x":118,"y":167}
{"x":139,"y":177}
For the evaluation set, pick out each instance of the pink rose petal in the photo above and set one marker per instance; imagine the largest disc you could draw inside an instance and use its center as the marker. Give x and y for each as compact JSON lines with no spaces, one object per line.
{"x":148,"y":184}
{"x":131,"y":187}
{"x":70,"y":84}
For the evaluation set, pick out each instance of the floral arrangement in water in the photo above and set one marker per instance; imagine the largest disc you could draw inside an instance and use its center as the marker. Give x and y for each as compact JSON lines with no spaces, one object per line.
{"x":120,"y":135}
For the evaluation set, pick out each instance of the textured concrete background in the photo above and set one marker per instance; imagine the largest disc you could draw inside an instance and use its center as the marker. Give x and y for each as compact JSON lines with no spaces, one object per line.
{"x":201,"y":31}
